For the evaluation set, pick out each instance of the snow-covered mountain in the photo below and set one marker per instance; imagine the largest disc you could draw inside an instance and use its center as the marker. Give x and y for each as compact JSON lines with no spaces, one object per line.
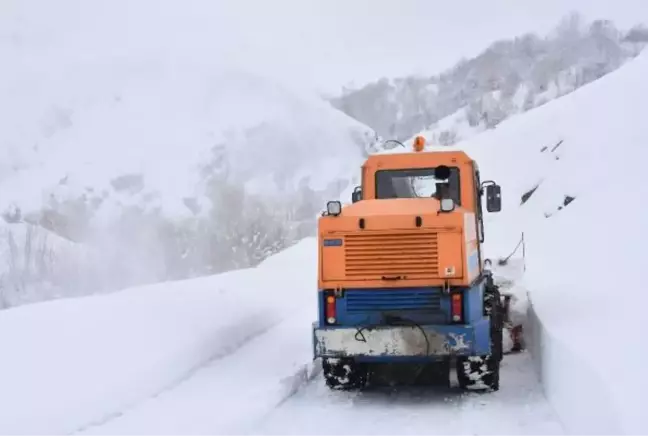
{"x":159,"y":141}
{"x":150,"y":162}
{"x":509,"y":77}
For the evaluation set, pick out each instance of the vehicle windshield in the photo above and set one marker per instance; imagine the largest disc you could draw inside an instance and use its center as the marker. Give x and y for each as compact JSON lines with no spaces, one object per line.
{"x":415,"y":183}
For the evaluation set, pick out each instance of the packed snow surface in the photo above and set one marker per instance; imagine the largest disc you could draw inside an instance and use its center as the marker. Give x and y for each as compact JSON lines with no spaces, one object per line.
{"x":73,"y":363}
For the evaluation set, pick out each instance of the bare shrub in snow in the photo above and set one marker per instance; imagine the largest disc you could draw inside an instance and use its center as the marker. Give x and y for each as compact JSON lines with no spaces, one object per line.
{"x":64,"y":252}
{"x":36,"y":264}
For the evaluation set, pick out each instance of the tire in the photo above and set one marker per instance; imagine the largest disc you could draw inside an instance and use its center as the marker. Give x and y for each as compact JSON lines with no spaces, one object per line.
{"x":481,"y":373}
{"x":344,"y":374}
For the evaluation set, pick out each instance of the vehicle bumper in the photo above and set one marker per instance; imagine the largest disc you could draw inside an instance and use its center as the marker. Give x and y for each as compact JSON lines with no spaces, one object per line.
{"x":402,"y":342}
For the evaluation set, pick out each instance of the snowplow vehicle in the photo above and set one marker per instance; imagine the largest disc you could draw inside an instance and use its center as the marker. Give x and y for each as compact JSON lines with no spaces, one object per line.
{"x":402,"y":287}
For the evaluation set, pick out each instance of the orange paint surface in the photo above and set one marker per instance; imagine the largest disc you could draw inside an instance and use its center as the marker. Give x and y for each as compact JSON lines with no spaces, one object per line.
{"x":376,"y":243}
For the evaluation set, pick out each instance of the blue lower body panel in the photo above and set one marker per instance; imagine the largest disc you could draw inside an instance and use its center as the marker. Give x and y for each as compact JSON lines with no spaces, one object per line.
{"x":402,"y":343}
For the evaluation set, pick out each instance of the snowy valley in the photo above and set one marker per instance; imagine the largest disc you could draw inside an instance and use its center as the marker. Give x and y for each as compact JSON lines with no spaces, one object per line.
{"x":157,"y":249}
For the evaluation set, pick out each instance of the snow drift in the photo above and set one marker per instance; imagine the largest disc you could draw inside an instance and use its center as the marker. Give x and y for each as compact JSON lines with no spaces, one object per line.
{"x":572,"y":175}
{"x":73,"y":363}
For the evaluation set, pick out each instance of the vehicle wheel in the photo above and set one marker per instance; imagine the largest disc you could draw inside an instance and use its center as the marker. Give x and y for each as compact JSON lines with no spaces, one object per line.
{"x":481,"y":373}
{"x":478,"y":373}
{"x":344,"y":374}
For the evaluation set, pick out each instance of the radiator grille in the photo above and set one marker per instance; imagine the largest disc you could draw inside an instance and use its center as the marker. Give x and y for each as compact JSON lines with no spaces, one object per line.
{"x":408,"y":255}
{"x":385,"y":300}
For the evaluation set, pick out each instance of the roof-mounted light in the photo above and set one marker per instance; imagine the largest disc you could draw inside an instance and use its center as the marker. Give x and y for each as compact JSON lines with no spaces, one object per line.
{"x":419,"y":143}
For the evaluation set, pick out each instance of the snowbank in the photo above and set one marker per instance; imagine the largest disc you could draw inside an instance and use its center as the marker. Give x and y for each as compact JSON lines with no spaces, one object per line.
{"x":70,"y":364}
{"x":584,"y":226}
{"x":227,"y":395}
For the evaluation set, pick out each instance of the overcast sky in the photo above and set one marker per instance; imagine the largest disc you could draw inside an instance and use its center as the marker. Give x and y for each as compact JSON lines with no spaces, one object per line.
{"x":320,"y":43}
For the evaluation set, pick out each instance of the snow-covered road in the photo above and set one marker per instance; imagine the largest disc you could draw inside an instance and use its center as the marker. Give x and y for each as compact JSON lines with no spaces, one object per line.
{"x":224,"y":395}
{"x":269,"y":385}
{"x":222,"y":355}
{"x":518,"y":408}
{"x":245,"y":402}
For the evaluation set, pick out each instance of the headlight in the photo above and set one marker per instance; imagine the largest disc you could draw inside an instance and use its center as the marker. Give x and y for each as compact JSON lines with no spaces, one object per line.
{"x":334,"y":208}
{"x":447,"y":205}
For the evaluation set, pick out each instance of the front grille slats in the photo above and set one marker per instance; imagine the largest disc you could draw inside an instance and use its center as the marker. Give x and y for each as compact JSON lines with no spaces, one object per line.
{"x":386,"y":300}
{"x":411,"y":255}
{"x":398,"y":262}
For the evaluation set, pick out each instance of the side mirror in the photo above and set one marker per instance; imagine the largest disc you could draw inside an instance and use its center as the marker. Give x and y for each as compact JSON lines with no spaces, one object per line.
{"x":442,"y":172}
{"x":357,"y":194}
{"x":493,"y":198}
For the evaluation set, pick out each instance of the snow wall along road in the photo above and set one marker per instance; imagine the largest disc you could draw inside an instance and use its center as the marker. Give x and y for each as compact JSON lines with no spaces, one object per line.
{"x":573,"y":180}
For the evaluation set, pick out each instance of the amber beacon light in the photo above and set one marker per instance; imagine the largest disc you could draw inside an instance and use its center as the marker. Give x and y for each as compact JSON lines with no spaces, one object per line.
{"x":419,"y":143}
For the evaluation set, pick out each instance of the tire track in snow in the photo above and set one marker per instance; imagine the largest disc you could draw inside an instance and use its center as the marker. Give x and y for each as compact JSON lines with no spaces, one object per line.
{"x":254,"y":327}
{"x":227,"y":393}
{"x":519,"y":407}
{"x":305,"y":375}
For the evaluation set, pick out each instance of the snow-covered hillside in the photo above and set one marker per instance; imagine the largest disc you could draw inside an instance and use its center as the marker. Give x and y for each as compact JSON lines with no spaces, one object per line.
{"x":167,"y":165}
{"x":509,"y":77}
{"x":152,"y":136}
{"x":572,"y":177}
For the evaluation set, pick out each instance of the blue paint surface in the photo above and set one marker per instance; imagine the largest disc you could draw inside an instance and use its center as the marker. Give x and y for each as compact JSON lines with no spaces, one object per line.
{"x":428,"y":307}
{"x":374,"y":306}
{"x":474,"y":302}
{"x":473,"y":263}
